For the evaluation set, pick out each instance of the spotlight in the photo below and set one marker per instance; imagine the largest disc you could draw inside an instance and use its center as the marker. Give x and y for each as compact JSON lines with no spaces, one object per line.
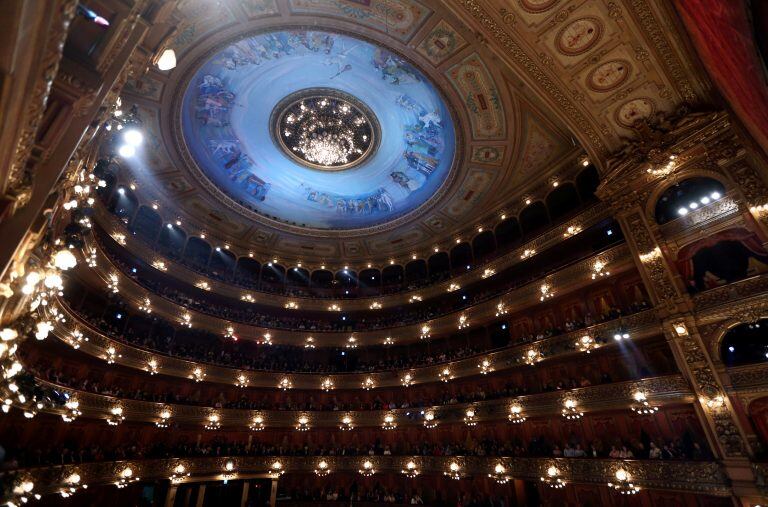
{"x":121,"y":191}
{"x":715,"y":195}
{"x":133,"y":137}
{"x":682,"y":211}
{"x":126,"y":151}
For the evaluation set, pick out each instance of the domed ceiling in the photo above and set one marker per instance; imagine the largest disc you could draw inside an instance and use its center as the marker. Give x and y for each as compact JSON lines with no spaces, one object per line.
{"x":318,"y":129}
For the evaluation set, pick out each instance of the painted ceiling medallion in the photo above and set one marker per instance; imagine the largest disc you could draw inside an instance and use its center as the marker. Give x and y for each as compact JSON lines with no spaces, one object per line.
{"x":375,"y":140}
{"x":325,"y":129}
{"x":609,"y":75}
{"x":632,"y":111}
{"x":579,"y":36}
{"x":537,"y":6}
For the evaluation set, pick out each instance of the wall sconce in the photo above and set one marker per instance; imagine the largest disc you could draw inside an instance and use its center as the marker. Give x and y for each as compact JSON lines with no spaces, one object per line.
{"x":570,"y":410}
{"x":303,"y":423}
{"x":407,"y":380}
{"x":389,"y":422}
{"x":485,"y":366}
{"x":277,"y":468}
{"x":368,"y":384}
{"x":463,"y":321}
{"x":116,"y":416}
{"x":454,"y":287}
{"x":248,"y":298}
{"x":469,"y":417}
{"x":327,"y":385}
{"x":203,"y":285}
{"x":230,"y":333}
{"x":598,"y":270}
{"x":572,"y":230}
{"x":214,"y":422}
{"x":623,"y":483}
{"x":586,"y":344}
{"x":351,"y":342}
{"x":367,"y":469}
{"x":429,"y":420}
{"x":322,"y":469}
{"x":126,"y":477}
{"x":165,"y":417}
{"x":112,"y":355}
{"x":527,"y":253}
{"x":553,"y":479}
{"x":146,"y":306}
{"x":113,"y":282}
{"x":197,"y":375}
{"x":388,"y":341}
{"x":641,"y":405}
{"x":499,"y":474}
{"x":186,"y":320}
{"x":346,"y":423}
{"x":241,"y":381}
{"x":546,"y":292}
{"x":415,"y":299}
{"x":531,"y":357}
{"x":73,"y":411}
{"x":76,"y":339}
{"x":334,"y":308}
{"x":309,"y":343}
{"x":179,"y":474}
{"x":285,"y":384}
{"x":266,"y":339}
{"x":410,"y":470}
{"x":488,"y":273}
{"x":424,"y":332}
{"x":257,"y":424}
{"x":501,"y":309}
{"x":291,"y":305}
{"x":516,"y":414}
{"x":454,"y":471}
{"x":445,"y":375}
{"x":375,"y":306}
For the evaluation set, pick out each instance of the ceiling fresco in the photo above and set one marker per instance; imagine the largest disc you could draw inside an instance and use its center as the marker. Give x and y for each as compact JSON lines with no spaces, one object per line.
{"x":228,"y":125}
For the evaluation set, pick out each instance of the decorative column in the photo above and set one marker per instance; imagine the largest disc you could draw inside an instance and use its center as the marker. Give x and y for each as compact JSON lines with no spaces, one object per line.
{"x":170,"y":497}
{"x":244,"y":496}
{"x":200,"y":495}
{"x":673,"y":150}
{"x":273,"y":493}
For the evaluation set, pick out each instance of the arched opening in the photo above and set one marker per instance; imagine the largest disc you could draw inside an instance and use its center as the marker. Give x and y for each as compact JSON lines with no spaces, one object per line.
{"x":562,"y":201}
{"x":534,"y":218}
{"x":745,"y":344}
{"x":416,"y":272}
{"x":461,"y":257}
{"x":587,"y":182}
{"x":722,"y":258}
{"x":297,"y":277}
{"x":322,"y":278}
{"x":197,"y":252}
{"x":272,"y":273}
{"x":508,"y":232}
{"x":147,"y":224}
{"x":687,"y":196}
{"x":483,"y":246}
{"x":370,"y":278}
{"x":123,"y":203}
{"x":222,"y":263}
{"x":392,"y":275}
{"x":346,"y":278}
{"x":172,"y":240}
{"x":247,"y":271}
{"x":439,"y":266}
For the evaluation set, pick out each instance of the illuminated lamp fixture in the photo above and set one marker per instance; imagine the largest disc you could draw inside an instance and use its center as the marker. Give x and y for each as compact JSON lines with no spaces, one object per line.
{"x":430,"y":421}
{"x":454,"y":287}
{"x":257,"y":423}
{"x":119,"y":238}
{"x":532,"y":356}
{"x":516,"y":414}
{"x":485,"y":366}
{"x":159,"y":265}
{"x":198,"y":375}
{"x":277,"y":468}
{"x":116,"y":416}
{"x":555,"y":183}
{"x":715,"y":402}
{"x":241,"y":380}
{"x":285,"y":384}
{"x":759,"y":210}
{"x":425,"y":332}
{"x":309,"y":343}
{"x":167,"y":60}
{"x":230,"y":333}
{"x":73,"y":411}
{"x":248,"y":298}
{"x":680,"y":329}
{"x":367,"y":469}
{"x":621,"y":334}
{"x":445,"y":375}
{"x":126,"y":477}
{"x":501,"y":309}
{"x":64,"y":259}
{"x":214,"y":422}
{"x":414,"y":299}
{"x":389,"y":422}
{"x":71,"y":485}
{"x":327,"y":384}
{"x":165,"y":417}
{"x":22,"y":491}
{"x":624,"y":484}
{"x":553,"y":479}
{"x":76,"y":339}
{"x":527,"y":253}
{"x":346,"y":423}
{"x":375,"y":306}
{"x":641,"y":405}
{"x":598,"y":270}
{"x":546,"y":292}
{"x":499,"y":474}
{"x":586,"y":344}
{"x":650,"y":256}
{"x":92,"y":261}
{"x":572,"y":230}
{"x":291,"y":305}
{"x":463,"y":321}
{"x":229,"y":466}
{"x":527,"y":201}
{"x":203,"y":285}
{"x":266,"y":339}
{"x":368,"y":384}
{"x":179,"y":474}
{"x":470,"y":417}
{"x":42,"y":329}
{"x":488,"y":273}
{"x":584,"y":161}
{"x":411,"y":470}
{"x":334,"y":308}
{"x":302,"y":423}
{"x":570,"y":410}
{"x":145,"y":306}
{"x":113,"y":281}
{"x":389,"y":341}
{"x":322,"y":469}
{"x":111,"y":355}
{"x":454,"y":471}
{"x":152,"y":366}
{"x":186,"y":320}
{"x":351,"y":343}
{"x":407,"y":380}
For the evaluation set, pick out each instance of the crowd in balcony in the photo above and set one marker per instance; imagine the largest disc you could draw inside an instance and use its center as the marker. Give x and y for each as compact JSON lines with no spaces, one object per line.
{"x":138,"y":330}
